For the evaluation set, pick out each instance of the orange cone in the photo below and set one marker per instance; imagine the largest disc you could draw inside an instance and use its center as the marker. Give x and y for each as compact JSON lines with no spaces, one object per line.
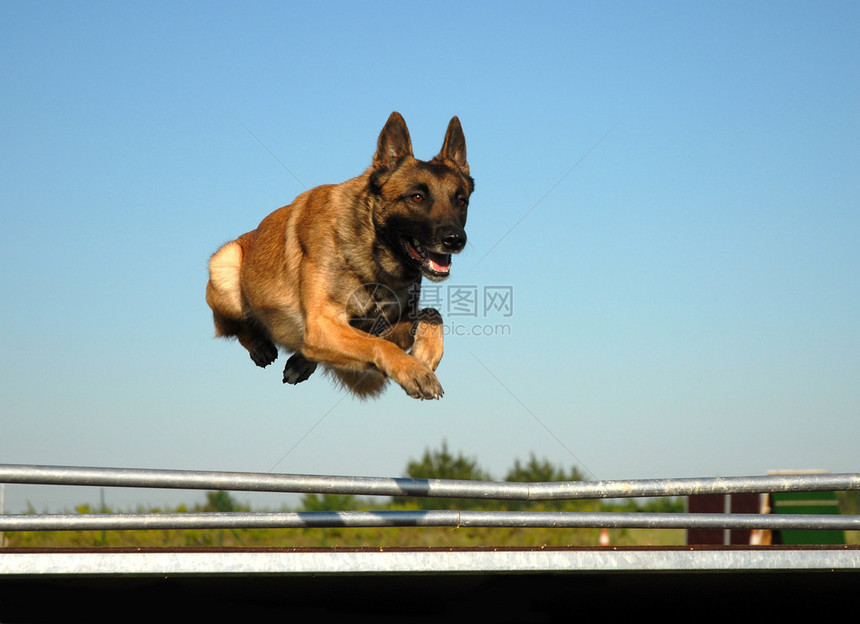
{"x":604,"y":537}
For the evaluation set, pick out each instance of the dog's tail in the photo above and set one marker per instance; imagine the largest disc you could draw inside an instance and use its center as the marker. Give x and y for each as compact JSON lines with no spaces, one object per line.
{"x":223,"y":291}
{"x":363,"y":384}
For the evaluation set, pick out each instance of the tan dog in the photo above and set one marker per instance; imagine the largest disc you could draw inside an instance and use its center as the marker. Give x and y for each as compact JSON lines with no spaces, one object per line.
{"x":334,"y":278}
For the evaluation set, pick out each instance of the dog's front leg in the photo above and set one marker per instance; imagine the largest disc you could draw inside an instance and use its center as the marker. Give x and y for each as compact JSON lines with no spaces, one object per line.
{"x":428,"y":342}
{"x":332,"y":341}
{"x":420,"y":334}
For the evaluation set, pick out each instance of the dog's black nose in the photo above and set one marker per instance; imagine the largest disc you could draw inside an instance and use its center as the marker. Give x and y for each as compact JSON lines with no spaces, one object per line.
{"x":454,"y":238}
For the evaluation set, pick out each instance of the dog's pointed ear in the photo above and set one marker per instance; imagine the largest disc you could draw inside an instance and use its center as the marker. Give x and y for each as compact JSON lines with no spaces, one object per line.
{"x":394,"y":143}
{"x":454,"y":147}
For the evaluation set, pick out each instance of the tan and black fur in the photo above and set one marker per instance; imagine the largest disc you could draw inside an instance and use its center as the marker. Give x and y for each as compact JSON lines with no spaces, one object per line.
{"x":334,"y":277}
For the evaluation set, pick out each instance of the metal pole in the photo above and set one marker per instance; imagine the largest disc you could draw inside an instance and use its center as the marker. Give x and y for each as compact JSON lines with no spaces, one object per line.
{"x":441,"y":518}
{"x":445,"y":488}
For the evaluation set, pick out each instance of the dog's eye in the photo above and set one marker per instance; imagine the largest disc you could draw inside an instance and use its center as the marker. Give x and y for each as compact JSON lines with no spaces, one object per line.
{"x":416,"y":198}
{"x":461,"y":202}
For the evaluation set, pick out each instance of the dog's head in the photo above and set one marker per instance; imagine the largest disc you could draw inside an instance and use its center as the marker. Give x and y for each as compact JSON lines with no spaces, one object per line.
{"x":422,"y":205}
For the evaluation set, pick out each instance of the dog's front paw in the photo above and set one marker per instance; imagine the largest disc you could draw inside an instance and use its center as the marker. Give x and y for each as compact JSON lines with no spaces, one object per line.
{"x":421,"y":383}
{"x":298,"y":369}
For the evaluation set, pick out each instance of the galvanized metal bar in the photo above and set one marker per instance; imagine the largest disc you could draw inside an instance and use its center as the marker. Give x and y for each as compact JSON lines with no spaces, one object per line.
{"x":291,"y":563}
{"x":436,"y":488}
{"x":441,"y":518}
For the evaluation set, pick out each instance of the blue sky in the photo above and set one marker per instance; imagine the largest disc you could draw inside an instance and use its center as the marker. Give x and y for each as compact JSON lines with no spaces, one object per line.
{"x":667,"y":193}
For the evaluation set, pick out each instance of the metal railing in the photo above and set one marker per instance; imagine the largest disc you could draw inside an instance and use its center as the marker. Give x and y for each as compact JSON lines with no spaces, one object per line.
{"x":434,"y":488}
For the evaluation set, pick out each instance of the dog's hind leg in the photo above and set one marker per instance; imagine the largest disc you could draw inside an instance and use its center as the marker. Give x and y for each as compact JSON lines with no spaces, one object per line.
{"x":224,"y":296}
{"x":262,"y":350}
{"x":298,"y":369}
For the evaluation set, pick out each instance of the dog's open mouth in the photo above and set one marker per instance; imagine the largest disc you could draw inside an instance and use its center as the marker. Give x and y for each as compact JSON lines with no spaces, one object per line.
{"x":433,"y":265}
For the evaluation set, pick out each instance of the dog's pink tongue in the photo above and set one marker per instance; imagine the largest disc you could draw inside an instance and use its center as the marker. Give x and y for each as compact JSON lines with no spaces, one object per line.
{"x":441,"y":263}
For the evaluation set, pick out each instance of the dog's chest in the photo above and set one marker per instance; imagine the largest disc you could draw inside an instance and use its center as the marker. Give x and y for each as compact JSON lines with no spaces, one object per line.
{"x":375,"y":308}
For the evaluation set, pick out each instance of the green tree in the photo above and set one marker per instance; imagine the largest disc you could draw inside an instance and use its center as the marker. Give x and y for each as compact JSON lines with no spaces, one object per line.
{"x":221,"y":501}
{"x":541,"y":470}
{"x":328,"y":502}
{"x":442,"y":464}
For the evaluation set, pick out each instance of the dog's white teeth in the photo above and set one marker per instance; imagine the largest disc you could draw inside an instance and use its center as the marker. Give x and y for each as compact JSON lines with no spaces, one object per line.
{"x":418,"y":246}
